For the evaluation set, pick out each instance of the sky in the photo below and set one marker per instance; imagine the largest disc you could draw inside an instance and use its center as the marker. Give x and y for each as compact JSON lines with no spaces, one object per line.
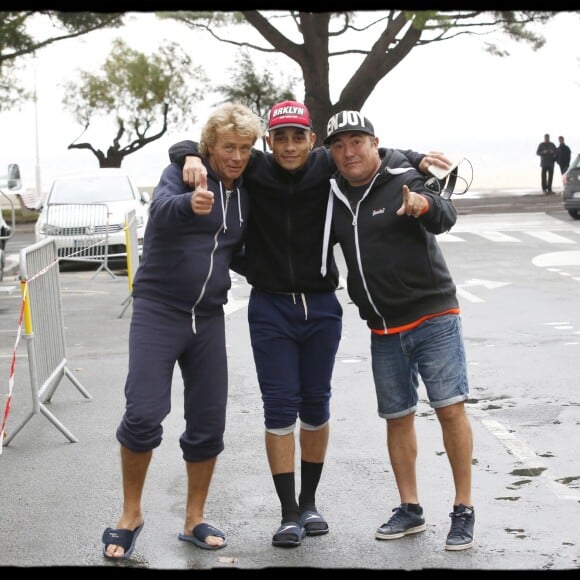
{"x":450,"y":96}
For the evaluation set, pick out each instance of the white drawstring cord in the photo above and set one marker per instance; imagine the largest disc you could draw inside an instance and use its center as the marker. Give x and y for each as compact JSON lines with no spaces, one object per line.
{"x":304,"y":304}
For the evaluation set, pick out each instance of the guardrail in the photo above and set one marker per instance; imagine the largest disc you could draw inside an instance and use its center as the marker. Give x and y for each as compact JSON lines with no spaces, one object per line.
{"x":132,"y":243}
{"x":44,"y":334}
{"x":80,"y":231}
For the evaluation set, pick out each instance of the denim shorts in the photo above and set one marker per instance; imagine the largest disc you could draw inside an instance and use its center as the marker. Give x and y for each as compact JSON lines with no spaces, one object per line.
{"x":433,"y":352}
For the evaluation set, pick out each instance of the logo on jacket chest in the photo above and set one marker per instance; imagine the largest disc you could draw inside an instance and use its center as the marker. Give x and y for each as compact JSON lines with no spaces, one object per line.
{"x":378,"y":211}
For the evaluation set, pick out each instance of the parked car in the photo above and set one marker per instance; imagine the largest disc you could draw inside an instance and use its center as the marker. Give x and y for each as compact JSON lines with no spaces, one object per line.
{"x":571,"y":193}
{"x":85,"y":213}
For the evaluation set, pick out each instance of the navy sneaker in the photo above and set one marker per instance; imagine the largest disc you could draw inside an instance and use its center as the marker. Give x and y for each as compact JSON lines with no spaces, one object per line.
{"x":460,"y":535}
{"x":402,"y":523}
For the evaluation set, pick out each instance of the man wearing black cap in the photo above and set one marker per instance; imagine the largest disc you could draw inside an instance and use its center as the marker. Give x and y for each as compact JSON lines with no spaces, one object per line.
{"x":295,"y":318}
{"x":386,"y":222}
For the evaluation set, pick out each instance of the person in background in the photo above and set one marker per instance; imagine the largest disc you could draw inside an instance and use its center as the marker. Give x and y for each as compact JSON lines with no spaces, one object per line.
{"x":180,"y":288}
{"x":563,"y":155}
{"x":295,"y":318}
{"x":386,"y":222}
{"x":547,"y":152}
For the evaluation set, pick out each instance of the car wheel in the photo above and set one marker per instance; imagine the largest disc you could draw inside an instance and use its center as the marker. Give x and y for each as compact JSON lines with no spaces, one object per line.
{"x":574,"y":213}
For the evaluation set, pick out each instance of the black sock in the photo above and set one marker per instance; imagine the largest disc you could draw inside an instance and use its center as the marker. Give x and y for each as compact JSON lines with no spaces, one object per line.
{"x":310,"y":476}
{"x":414,"y":507}
{"x":286,"y":490}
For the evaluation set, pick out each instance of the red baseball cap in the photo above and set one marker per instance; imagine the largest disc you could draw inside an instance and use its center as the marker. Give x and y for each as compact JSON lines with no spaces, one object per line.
{"x":289,"y":114}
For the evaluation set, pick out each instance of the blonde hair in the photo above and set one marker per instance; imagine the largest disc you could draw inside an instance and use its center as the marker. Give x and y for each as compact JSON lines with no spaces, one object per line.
{"x":231,"y":117}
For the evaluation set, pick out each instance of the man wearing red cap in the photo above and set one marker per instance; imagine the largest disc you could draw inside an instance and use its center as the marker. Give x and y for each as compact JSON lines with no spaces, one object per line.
{"x":295,"y":318}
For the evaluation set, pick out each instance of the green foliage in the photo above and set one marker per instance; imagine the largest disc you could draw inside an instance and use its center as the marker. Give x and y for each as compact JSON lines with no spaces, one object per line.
{"x":20,"y":216}
{"x":257,"y":91}
{"x":17,"y":41}
{"x":83,"y":22}
{"x":147,"y":95}
{"x":216,"y":19}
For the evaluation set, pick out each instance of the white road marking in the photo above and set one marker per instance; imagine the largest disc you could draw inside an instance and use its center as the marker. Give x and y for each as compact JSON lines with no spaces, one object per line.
{"x":498,"y":237}
{"x":566,"y":258}
{"x":488,"y":284}
{"x":447,"y":237}
{"x":523,"y":452}
{"x":551,"y":237}
{"x":468,"y":295}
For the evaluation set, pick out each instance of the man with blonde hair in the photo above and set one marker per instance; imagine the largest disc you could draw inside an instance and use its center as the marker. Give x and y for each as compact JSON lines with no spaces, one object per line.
{"x":179,"y":292}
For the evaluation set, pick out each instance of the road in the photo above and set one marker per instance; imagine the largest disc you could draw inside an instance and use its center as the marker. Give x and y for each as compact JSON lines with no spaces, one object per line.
{"x":517,"y":274}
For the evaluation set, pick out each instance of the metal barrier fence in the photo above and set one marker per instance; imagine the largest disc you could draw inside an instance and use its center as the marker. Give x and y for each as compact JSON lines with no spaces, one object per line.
{"x":132,"y":244}
{"x":44,"y":330}
{"x":81,"y":232}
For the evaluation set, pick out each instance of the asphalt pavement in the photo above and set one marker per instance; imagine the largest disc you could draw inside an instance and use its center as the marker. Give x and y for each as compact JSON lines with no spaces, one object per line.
{"x":58,"y":496}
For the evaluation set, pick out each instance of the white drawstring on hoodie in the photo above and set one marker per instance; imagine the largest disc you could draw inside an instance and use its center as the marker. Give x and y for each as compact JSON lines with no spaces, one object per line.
{"x":330,"y":205}
{"x":224,"y":205}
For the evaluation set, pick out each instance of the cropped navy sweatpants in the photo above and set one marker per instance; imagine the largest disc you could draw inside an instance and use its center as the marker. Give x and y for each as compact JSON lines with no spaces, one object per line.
{"x":159,"y":337}
{"x":294,"y":338}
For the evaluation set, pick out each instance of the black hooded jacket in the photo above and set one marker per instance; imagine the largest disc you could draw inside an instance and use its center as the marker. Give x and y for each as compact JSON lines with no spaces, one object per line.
{"x":396,"y":271}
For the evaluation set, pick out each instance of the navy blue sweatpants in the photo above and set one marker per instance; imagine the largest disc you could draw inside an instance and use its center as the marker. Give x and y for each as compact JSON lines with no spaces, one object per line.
{"x":159,"y":337}
{"x":294,"y":338}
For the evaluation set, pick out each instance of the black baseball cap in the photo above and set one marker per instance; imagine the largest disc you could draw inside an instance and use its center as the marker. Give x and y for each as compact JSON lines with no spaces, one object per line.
{"x":347,"y":121}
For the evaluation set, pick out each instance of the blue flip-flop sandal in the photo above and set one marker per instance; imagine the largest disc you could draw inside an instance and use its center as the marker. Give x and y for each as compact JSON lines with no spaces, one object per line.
{"x":289,"y":534}
{"x":199,"y":535}
{"x":121,"y":537}
{"x":313,"y":523}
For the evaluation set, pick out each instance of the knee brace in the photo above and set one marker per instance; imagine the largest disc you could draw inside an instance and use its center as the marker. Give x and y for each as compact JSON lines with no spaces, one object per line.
{"x":283,"y":430}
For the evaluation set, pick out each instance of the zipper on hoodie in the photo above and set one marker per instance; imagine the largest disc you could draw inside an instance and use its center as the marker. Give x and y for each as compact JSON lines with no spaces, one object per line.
{"x":215,"y":246}
{"x":289,"y":230}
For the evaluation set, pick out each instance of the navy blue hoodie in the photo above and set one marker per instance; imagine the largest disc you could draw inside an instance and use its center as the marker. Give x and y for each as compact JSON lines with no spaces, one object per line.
{"x":187,"y":257}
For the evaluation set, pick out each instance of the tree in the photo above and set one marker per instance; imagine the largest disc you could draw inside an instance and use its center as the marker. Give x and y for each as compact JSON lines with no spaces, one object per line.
{"x":147,"y":96}
{"x":18,"y":41}
{"x":383,"y":41}
{"x":258,"y":92}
